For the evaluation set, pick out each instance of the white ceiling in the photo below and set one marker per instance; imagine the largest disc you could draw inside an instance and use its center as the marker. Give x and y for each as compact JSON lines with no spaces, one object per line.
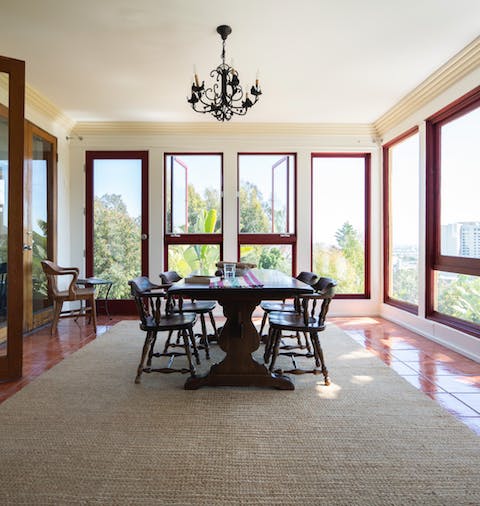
{"x":321,"y":61}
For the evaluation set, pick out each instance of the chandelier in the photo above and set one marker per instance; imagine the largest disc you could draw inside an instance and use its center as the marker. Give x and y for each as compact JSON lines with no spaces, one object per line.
{"x":225,"y":97}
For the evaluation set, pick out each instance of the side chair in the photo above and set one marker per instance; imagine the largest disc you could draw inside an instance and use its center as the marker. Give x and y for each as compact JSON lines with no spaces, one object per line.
{"x":310,"y":321}
{"x":153,"y":310}
{"x":310,"y":278}
{"x":72,"y":293}
{"x":199,"y":307}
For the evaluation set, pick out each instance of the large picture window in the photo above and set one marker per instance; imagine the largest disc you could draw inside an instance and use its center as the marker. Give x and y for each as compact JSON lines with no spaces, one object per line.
{"x":340,"y":220}
{"x":453,"y":215}
{"x":193,"y":213}
{"x":401,"y":204}
{"x":266,"y":204}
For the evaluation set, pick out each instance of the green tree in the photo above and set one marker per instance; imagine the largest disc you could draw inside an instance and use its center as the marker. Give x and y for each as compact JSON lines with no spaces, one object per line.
{"x":117,"y":247}
{"x":254,"y":216}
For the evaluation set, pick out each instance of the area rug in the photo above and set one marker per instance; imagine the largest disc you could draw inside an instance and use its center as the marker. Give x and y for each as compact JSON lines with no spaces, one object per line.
{"x":84,"y":433}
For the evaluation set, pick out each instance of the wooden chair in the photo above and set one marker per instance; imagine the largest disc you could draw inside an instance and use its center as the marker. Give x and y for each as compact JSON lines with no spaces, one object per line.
{"x":199,"y":307}
{"x":310,"y":321}
{"x":149,"y":298}
{"x":310,"y":278}
{"x":72,"y":293}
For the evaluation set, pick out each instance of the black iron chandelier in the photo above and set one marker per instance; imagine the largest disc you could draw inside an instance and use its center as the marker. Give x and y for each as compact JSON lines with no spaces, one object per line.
{"x":225,"y":97}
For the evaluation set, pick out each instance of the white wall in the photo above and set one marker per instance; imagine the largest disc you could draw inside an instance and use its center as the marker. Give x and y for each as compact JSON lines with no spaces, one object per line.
{"x":303,"y":145}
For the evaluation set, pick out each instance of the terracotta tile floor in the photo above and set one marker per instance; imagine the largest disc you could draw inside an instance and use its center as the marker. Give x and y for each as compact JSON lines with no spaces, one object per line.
{"x":446,"y":376}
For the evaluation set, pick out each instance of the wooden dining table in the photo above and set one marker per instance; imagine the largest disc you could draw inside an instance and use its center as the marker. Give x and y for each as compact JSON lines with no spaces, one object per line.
{"x":239,"y":338}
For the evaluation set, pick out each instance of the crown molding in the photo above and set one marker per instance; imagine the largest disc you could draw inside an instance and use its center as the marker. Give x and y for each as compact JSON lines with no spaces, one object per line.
{"x":464,"y":62}
{"x":37,"y":103}
{"x":221,"y":129}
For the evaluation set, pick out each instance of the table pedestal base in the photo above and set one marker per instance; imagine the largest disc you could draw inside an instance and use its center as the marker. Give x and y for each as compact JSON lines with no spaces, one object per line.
{"x":239,"y":339}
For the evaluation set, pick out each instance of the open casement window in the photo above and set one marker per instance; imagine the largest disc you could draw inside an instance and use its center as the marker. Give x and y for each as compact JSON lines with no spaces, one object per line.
{"x":453,"y":215}
{"x":266,"y":210}
{"x":401,"y":160}
{"x":341,"y":221}
{"x":193,"y":212}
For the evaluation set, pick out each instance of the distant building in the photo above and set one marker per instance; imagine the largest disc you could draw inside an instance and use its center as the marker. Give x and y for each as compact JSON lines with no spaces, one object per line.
{"x":461,"y":239}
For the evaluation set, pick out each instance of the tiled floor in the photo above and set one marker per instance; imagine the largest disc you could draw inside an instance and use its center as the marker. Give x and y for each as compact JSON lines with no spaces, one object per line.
{"x":447,"y":377}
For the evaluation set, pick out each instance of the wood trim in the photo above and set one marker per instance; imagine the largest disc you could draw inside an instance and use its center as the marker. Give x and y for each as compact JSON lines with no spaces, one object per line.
{"x":368,"y":222}
{"x":11,"y":364}
{"x":386,"y":183}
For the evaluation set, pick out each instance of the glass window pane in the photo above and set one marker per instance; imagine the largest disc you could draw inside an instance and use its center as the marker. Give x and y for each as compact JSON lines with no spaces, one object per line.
{"x":458,"y":295}
{"x":3,"y":230}
{"x":41,"y":156}
{"x":272,"y":256}
{"x":189,"y":259}
{"x":460,"y":181}
{"x":193,"y":193}
{"x":403,"y":186}
{"x":266,"y":191}
{"x":117,"y":222}
{"x":338,"y":223}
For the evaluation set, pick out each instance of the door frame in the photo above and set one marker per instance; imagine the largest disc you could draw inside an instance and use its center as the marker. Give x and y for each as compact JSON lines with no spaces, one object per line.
{"x":125,"y":307}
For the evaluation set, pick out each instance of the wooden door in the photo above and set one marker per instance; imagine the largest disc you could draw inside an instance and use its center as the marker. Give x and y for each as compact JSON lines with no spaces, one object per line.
{"x":12,"y":99}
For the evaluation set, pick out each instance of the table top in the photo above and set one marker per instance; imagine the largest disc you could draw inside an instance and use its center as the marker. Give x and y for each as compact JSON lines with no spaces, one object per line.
{"x":272,"y":284}
{"x":93,"y":281}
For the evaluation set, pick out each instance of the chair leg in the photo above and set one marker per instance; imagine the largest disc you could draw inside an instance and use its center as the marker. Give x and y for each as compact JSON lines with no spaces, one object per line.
{"x":57,"y":309}
{"x":191,"y":334}
{"x":262,"y":326}
{"x":214,"y":326}
{"x":146,"y":347}
{"x":94,"y":313}
{"x":204,"y":339}
{"x":268,"y":346}
{"x":277,"y":337}
{"x":150,"y":351}
{"x":167,"y":342}
{"x":319,"y":358}
{"x":194,"y":346}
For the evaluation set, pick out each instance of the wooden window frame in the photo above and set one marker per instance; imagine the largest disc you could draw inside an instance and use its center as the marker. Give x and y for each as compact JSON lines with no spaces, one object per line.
{"x":186,"y":239}
{"x":367,"y":206}
{"x":269,"y":239}
{"x":404,"y":305}
{"x":435,"y":261}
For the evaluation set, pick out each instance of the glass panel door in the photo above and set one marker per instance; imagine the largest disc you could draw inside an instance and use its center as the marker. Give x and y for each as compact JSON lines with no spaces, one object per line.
{"x":117,"y":226}
{"x":39,"y":221}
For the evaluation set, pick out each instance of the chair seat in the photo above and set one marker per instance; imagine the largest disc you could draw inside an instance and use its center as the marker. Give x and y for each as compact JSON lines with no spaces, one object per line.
{"x":80,"y":293}
{"x":173,"y":322}
{"x":294,"y":322}
{"x":277,"y":306}
{"x":199,"y":306}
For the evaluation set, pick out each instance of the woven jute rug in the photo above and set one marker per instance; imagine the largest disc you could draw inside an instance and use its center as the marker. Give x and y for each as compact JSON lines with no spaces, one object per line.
{"x":84,"y":433}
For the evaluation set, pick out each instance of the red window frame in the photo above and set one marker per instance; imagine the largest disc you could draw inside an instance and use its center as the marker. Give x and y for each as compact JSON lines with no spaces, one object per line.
{"x":406,"y":306}
{"x":367,"y":233}
{"x":270,"y":238}
{"x":170,"y":238}
{"x":435,"y":261}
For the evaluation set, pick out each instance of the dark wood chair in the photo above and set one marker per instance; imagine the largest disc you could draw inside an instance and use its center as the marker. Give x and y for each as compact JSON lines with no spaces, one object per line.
{"x":153,"y":309}
{"x":310,"y":278}
{"x":310,"y":321}
{"x":199,"y":307}
{"x":72,"y":293}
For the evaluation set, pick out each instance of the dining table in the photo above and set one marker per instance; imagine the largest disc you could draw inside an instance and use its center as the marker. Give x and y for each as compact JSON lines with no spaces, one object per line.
{"x":239,"y":338}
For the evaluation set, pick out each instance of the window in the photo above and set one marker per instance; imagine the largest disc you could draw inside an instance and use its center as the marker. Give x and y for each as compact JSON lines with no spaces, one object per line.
{"x":193,"y":214}
{"x":340,"y":220}
{"x":266,"y":205}
{"x":453,"y":215}
{"x":401,"y":208}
